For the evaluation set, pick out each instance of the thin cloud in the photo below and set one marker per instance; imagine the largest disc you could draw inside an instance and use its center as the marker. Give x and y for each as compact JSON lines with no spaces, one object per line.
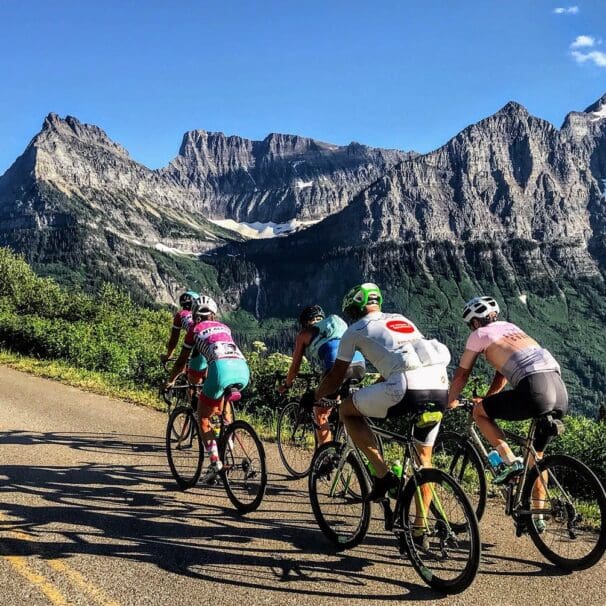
{"x":598,"y":58}
{"x":583,"y":42}
{"x":570,"y":10}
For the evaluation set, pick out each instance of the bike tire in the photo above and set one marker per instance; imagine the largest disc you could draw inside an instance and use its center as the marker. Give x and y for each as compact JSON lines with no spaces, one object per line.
{"x":244,"y":472}
{"x":447,"y":561}
{"x":577,"y":506}
{"x":184,"y":448}
{"x":454,"y":454}
{"x":296,"y":439}
{"x":330,"y":492}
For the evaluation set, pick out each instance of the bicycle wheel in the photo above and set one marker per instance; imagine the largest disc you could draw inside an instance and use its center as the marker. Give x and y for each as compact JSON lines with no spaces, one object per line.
{"x":184,"y":447}
{"x":572,"y":534}
{"x":296,"y":439}
{"x":337,"y":487}
{"x":455,"y":455}
{"x":445,"y":559}
{"x":244,"y":472}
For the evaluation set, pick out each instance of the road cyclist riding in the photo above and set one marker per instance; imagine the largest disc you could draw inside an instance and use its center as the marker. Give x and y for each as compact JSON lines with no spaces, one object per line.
{"x":236,"y":454}
{"x":433,"y":519}
{"x":556,"y":499}
{"x":304,"y":425}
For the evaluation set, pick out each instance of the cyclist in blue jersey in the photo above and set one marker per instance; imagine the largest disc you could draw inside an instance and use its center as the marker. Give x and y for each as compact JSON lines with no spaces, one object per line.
{"x":318,"y":340}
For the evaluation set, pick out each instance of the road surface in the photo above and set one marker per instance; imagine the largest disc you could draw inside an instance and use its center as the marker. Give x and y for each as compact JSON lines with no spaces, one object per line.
{"x":89,"y":514}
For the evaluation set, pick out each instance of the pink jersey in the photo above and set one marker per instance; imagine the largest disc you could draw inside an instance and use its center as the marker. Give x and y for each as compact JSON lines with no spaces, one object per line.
{"x":182,"y":320}
{"x":511,"y":351}
{"x":213,"y":340}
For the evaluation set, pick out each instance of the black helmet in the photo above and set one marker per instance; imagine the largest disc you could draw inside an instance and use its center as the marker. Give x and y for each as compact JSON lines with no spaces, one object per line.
{"x":187,"y":298}
{"x":311,"y":313}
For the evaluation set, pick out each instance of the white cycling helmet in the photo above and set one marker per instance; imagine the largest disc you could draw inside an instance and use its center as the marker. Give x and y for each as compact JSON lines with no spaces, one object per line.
{"x":479,"y":307}
{"x":203,"y":306}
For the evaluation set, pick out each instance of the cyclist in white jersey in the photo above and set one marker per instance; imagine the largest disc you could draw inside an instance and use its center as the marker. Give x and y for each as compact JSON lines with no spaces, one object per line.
{"x":413,"y":378}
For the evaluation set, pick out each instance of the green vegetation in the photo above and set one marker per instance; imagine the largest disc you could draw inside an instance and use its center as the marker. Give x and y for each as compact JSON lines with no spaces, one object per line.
{"x":108,"y":344}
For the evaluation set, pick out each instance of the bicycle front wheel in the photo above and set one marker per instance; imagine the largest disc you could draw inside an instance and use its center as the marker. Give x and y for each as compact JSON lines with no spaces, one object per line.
{"x":184,"y":447}
{"x":440,"y":531}
{"x":455,"y":455}
{"x":244,"y":472}
{"x":567,"y":523}
{"x":296,"y":439}
{"x":337,"y":487}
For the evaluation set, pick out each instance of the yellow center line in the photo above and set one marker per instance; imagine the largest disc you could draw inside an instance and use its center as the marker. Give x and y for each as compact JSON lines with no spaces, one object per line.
{"x":52,"y":592}
{"x":58,"y":565}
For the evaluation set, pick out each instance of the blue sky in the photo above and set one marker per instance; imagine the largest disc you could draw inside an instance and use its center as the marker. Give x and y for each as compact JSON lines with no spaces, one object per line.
{"x":405,"y":74}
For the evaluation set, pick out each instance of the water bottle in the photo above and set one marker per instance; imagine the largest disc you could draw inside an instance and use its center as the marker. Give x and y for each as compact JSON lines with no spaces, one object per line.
{"x":494,"y":458}
{"x":396,"y":469}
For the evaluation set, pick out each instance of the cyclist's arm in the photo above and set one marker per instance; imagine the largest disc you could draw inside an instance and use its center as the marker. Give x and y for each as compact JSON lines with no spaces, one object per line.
{"x":297,"y":357}
{"x":497,"y":385}
{"x":179,"y":365}
{"x":333,"y":379}
{"x":461,"y":376}
{"x":172,"y":342}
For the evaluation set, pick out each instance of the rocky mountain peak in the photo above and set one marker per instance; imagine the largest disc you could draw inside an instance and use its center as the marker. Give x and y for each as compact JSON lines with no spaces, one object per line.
{"x":598,"y":105}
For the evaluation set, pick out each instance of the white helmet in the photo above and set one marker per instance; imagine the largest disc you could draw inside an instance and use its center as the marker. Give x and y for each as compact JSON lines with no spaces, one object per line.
{"x":479,"y":307}
{"x":203,"y":306}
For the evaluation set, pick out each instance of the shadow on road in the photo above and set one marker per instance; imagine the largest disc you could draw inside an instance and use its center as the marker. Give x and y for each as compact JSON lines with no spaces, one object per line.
{"x":125,"y":511}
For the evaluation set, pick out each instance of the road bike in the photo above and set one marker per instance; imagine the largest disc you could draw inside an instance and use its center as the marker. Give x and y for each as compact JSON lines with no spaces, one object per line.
{"x":565,"y":519}
{"x":244,"y":471}
{"x":432,"y":519}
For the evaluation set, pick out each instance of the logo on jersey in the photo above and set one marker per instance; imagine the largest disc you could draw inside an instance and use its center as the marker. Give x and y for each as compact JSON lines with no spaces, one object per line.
{"x":400,"y":326}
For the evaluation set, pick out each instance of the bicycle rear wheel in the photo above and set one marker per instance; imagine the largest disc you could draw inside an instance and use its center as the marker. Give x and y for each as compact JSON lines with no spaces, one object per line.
{"x":296,"y":439}
{"x":184,"y":447}
{"x":572,"y":532}
{"x":454,"y":454}
{"x":445,"y":559}
{"x":244,"y":473}
{"x":337,"y":487}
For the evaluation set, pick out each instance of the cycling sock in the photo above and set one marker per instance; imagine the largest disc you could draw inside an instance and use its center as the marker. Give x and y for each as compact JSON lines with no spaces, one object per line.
{"x":212,"y":450}
{"x":506,"y":454}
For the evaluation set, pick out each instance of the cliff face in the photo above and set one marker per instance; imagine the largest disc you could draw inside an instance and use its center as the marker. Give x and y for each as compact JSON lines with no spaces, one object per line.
{"x":281,"y":178}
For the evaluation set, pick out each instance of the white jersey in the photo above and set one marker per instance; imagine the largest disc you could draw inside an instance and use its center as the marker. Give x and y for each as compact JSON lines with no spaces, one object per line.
{"x":390,"y":342}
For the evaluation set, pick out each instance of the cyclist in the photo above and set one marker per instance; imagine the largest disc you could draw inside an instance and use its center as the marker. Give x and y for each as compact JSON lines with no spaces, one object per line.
{"x":196,"y":367}
{"x":413,"y":379}
{"x":226,"y":367}
{"x":318,"y":340}
{"x":532,"y":371}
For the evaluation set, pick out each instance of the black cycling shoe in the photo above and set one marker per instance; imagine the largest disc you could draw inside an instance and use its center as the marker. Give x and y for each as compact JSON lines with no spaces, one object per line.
{"x":380,"y":486}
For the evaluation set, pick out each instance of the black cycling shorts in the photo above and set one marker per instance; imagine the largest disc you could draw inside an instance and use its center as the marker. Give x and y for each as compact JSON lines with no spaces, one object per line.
{"x":355,"y":373}
{"x":534,"y":396}
{"x":417,"y":401}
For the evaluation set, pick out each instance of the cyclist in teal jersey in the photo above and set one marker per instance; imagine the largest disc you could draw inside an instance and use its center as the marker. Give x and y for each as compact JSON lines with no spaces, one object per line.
{"x":318,"y":340}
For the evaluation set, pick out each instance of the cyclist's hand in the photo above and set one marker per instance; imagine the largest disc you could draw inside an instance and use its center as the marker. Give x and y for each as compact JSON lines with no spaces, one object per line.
{"x":282,"y":389}
{"x":477,"y":401}
{"x":168,"y":385}
{"x":453,"y":404}
{"x":163,"y":358}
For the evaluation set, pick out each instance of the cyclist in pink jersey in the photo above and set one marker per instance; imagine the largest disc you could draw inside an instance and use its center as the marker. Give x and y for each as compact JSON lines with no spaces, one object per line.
{"x":226,"y":367}
{"x":197,"y":366}
{"x":532,"y":371}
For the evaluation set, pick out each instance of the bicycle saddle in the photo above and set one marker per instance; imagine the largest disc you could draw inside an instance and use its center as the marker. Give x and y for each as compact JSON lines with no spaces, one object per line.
{"x":232,"y":393}
{"x":550,"y":426}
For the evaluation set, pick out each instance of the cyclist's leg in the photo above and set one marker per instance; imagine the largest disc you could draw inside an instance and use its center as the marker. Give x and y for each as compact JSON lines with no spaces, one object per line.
{"x":323,"y":433}
{"x":549,"y":395}
{"x":372,"y":401}
{"x":512,"y":405}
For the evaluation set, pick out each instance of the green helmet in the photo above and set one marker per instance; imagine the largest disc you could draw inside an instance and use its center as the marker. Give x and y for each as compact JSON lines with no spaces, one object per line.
{"x":359,"y":297}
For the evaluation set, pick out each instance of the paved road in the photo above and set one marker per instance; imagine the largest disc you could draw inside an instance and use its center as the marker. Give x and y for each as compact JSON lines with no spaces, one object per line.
{"x":89,"y":515}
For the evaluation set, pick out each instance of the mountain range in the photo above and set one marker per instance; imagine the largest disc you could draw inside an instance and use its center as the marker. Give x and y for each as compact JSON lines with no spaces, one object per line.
{"x":511,"y":205}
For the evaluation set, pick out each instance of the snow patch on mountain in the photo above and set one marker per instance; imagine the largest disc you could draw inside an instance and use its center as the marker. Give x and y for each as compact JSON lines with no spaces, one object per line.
{"x":263,"y":230}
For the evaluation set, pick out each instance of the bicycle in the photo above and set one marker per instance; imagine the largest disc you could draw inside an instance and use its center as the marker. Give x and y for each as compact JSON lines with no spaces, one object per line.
{"x":432,"y":520}
{"x":296,"y":429}
{"x":244,"y":471}
{"x":178,"y":394}
{"x":574,"y":507}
